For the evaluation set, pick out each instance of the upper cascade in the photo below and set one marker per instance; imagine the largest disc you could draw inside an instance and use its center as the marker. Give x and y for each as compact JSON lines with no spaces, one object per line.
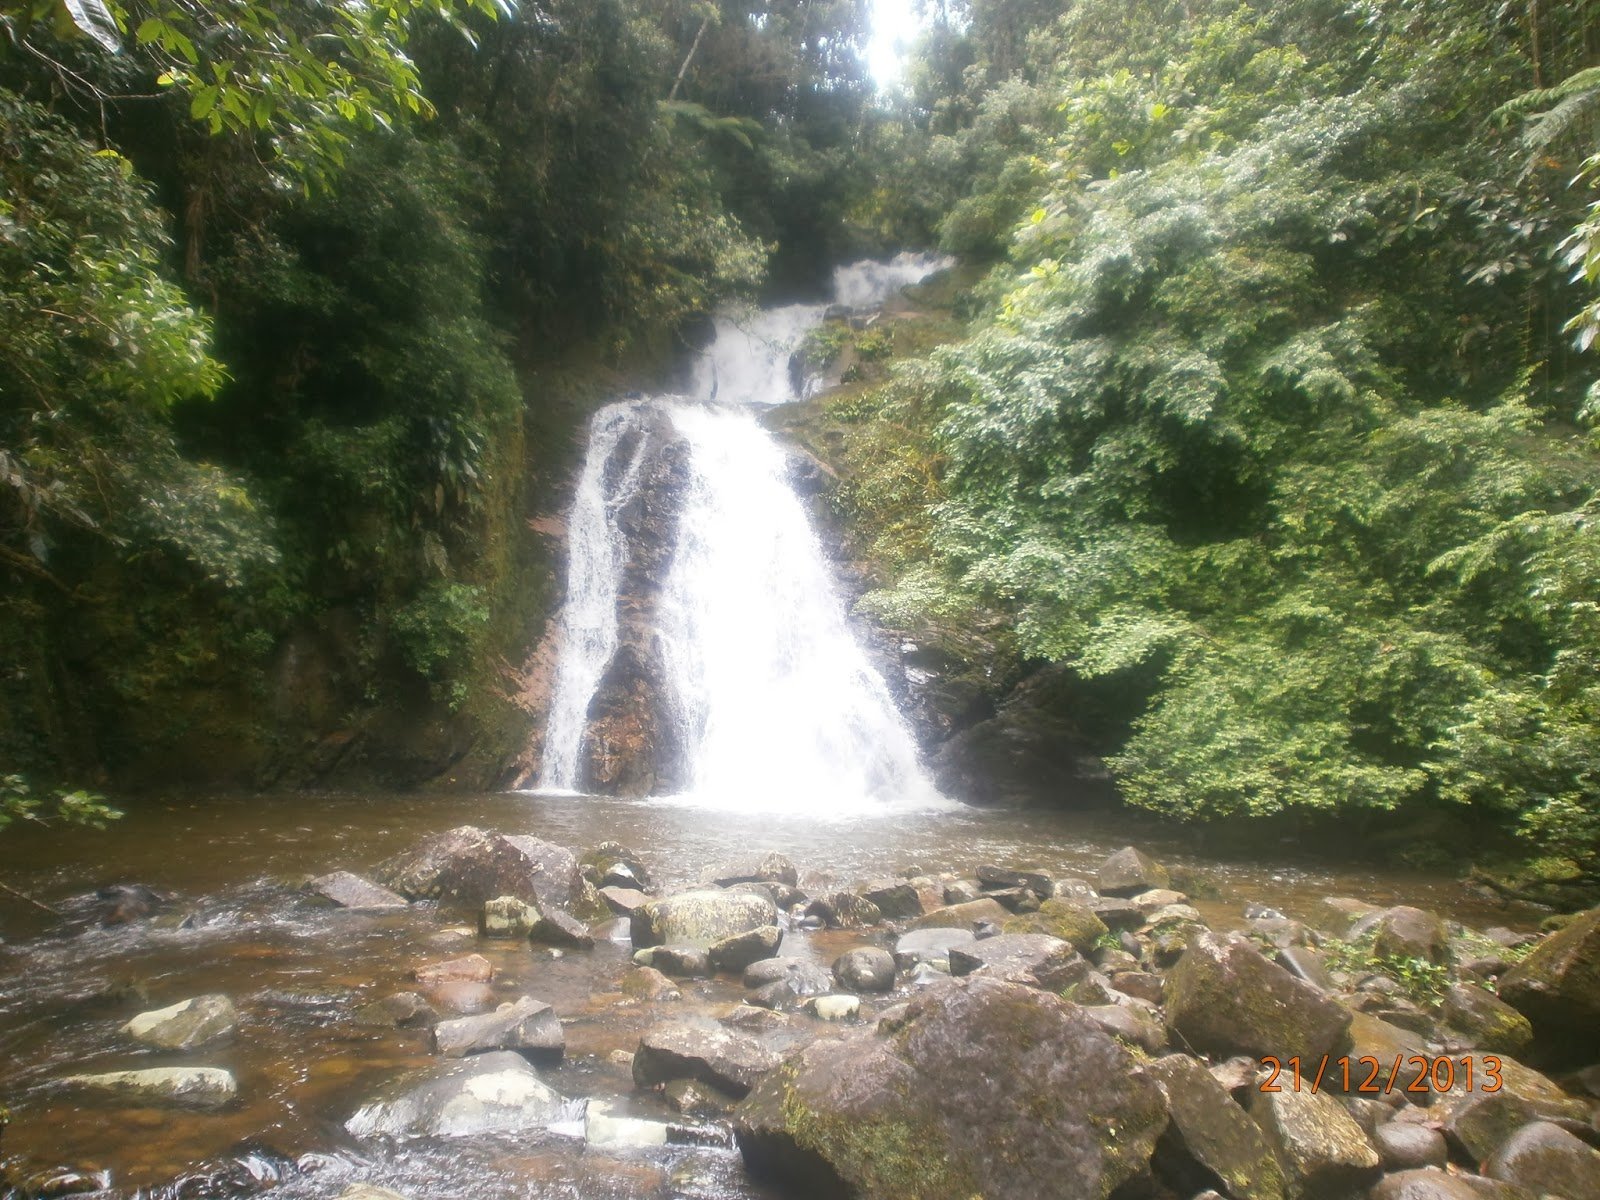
{"x":731,"y":666}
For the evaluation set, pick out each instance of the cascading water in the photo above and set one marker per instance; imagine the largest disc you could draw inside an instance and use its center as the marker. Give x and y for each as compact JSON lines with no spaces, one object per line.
{"x":596,"y":548}
{"x":775,"y":704}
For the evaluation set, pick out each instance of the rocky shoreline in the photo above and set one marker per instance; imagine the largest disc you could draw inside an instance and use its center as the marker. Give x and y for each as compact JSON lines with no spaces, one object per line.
{"x":1015,"y":1032}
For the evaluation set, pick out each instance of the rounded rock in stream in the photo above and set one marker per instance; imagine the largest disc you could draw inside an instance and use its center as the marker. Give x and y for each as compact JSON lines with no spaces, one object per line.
{"x":186,"y":1087}
{"x":699,"y":918}
{"x":498,"y":1092}
{"x":186,"y":1025}
{"x":865,"y":969}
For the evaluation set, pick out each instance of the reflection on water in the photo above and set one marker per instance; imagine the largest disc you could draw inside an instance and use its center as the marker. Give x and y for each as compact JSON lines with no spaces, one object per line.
{"x":300,"y":973}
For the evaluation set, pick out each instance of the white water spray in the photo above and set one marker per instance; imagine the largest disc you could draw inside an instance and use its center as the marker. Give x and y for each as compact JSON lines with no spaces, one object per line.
{"x":778,"y":708}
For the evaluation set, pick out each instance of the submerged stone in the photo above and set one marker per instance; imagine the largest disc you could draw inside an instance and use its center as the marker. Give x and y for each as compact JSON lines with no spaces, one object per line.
{"x":498,"y":1092}
{"x":700,"y":918}
{"x":185,"y":1087}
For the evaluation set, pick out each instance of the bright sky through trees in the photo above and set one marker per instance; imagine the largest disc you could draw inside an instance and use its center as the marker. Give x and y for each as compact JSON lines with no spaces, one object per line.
{"x":894,"y":24}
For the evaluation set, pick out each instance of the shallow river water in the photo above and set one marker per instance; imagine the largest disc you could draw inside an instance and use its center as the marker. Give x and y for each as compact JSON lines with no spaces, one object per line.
{"x":299,"y":972}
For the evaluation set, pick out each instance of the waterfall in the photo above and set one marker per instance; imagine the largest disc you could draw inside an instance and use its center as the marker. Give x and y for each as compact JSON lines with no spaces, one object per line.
{"x":774,"y":703}
{"x":596,"y":549}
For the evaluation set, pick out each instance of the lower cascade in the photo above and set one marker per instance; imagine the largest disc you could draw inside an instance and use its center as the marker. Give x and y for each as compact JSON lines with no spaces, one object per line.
{"x":702,"y":633}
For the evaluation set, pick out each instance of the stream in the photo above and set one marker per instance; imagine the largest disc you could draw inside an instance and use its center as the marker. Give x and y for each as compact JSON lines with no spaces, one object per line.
{"x":300,"y":973}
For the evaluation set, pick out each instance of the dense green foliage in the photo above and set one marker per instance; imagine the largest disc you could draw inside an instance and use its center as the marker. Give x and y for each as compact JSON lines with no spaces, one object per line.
{"x":285,"y":290}
{"x":1268,"y":418}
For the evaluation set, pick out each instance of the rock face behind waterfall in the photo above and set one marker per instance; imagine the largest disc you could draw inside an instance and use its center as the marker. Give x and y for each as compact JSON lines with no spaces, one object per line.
{"x":631,"y":747}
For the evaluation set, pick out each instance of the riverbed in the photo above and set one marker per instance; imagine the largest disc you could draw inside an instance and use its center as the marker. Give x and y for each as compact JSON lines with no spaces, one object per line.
{"x":300,"y":972}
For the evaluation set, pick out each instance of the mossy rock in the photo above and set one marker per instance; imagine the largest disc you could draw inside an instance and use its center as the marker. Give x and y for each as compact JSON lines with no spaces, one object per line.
{"x":1070,"y":922}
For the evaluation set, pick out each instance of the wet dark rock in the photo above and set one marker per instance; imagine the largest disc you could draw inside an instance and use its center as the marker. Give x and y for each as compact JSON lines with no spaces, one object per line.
{"x":781,"y":983}
{"x":557,"y":928}
{"x":928,"y":946}
{"x":348,"y":890}
{"x":474,"y":968}
{"x":1344,"y":911}
{"x":1406,"y":932}
{"x":729,"y":1061}
{"x":1016,"y":900}
{"x":1211,"y":1141}
{"x":1323,"y":1150}
{"x":1430,"y":1183}
{"x":498,"y":1092}
{"x":187,"y":1025}
{"x":182,"y":1087}
{"x":1404,"y":1146}
{"x":611,"y":864}
{"x":122,"y":903}
{"x":1481,"y":1117}
{"x":1372,"y":1038}
{"x":1224,"y":997}
{"x":1156,"y":899}
{"x":734,"y":954}
{"x":1116,"y":913}
{"x":622,"y":900}
{"x":1074,"y":890}
{"x":1280,"y":932}
{"x":770,"y":867}
{"x":1129,"y":1025}
{"x":1130,"y":871}
{"x":700,"y":918}
{"x":981,"y":1087}
{"x":961,"y":916}
{"x":992,"y":878}
{"x":529,"y":1027}
{"x":692,"y":1098}
{"x":865,"y":969}
{"x":894,"y":899}
{"x":1032,"y":958}
{"x":1546,"y":1158}
{"x":403,"y":1010}
{"x":467,"y":865}
{"x":1484,"y":1021}
{"x":1557,"y":987}
{"x":845,"y":910}
{"x":647,"y":983}
{"x":680,"y":962}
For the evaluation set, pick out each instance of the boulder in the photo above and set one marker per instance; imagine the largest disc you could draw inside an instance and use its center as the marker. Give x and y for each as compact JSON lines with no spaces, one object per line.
{"x":734,"y":954}
{"x":844,"y":910}
{"x":498,"y":1092}
{"x":1117,"y":913}
{"x":1211,"y":1141}
{"x":770,"y":867}
{"x":1223,"y":997}
{"x":895,"y":899}
{"x":700,"y":918}
{"x":1075,"y":923}
{"x":681,"y":962}
{"x":623,"y":901}
{"x":834,"y":1008}
{"x":1157,"y":898}
{"x":1484,"y":1021}
{"x":980,"y":1087}
{"x":1557,"y":987}
{"x":1129,"y":872}
{"x":692,"y":1098}
{"x":1340,"y":912}
{"x":611,"y":864}
{"x":404,"y":1010}
{"x":183,"y":1087}
{"x":1481,"y":1117}
{"x":555,"y":927}
{"x":1389,"y":1044}
{"x":1307,"y":965}
{"x":647,"y":983}
{"x":865,"y":969}
{"x":467,"y":865}
{"x":728,"y":1061}
{"x":962,"y":891}
{"x":1547,"y":1159}
{"x":780,"y":983}
{"x":1406,"y":1146}
{"x":1430,"y":1183}
{"x":529,"y":1027}
{"x":962,"y":916}
{"x":992,"y":878}
{"x":473,"y":968}
{"x":507,"y":917}
{"x":929,"y":946}
{"x":1406,"y":932}
{"x":1129,"y":1025}
{"x":1323,"y":1150}
{"x":1032,"y":958}
{"x":461,"y":996}
{"x":347,"y":890}
{"x":186,"y":1025}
